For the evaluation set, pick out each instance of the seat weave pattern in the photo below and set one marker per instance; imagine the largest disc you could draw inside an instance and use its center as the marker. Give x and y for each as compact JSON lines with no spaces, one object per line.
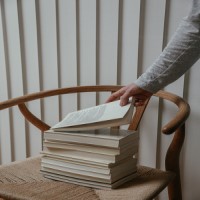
{"x":22,"y":180}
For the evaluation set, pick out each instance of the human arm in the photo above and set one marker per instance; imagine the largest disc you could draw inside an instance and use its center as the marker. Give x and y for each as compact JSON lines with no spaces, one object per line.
{"x":179,"y":55}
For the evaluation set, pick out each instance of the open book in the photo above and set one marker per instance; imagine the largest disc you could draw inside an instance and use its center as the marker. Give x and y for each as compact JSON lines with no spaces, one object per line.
{"x":101,"y":116}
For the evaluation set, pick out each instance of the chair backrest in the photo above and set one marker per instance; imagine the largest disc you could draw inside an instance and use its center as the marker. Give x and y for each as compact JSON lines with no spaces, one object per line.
{"x":176,"y":125}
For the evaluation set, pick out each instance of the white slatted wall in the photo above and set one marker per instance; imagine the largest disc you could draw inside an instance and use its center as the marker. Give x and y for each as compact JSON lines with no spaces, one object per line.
{"x":46,"y":44}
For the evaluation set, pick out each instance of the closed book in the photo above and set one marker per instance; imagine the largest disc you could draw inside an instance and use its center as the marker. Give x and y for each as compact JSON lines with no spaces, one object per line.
{"x":107,"y":137}
{"x":121,"y":166}
{"x":81,"y":161}
{"x":99,"y":157}
{"x":90,"y":148}
{"x":89,"y":183}
{"x":98,"y":177}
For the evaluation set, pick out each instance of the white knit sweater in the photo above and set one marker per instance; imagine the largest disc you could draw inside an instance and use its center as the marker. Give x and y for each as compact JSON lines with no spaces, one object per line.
{"x":179,"y":55}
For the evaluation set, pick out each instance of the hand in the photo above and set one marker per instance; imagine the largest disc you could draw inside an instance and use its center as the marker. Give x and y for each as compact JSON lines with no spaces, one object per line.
{"x":130,"y":90}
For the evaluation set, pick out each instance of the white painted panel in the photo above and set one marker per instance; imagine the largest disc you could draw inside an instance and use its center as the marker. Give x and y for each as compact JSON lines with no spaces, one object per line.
{"x":130,"y":41}
{"x":5,"y":140}
{"x":114,"y":55}
{"x":108,"y":42}
{"x":49,"y":64}
{"x":31,"y":70}
{"x":15,"y":76}
{"x":67,"y":53}
{"x":168,"y":110}
{"x":191,"y":163}
{"x":176,"y":87}
{"x":87,"y":49}
{"x":151,"y":41}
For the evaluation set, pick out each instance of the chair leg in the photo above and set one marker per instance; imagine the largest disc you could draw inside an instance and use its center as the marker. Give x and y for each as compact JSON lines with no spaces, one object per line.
{"x":172,"y":163}
{"x":174,"y":189}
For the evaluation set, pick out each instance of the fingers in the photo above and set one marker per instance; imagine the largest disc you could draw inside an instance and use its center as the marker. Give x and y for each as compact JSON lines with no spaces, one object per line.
{"x":128,"y":91}
{"x":111,"y":98}
{"x":116,"y":95}
{"x":125,"y":98}
{"x":123,"y":94}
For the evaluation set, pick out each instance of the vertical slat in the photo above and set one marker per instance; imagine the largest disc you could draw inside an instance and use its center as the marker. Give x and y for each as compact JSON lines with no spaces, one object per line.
{"x":130,"y":41}
{"x":87,"y":49}
{"x":114,"y":55}
{"x":67,"y":52}
{"x":31,"y":72}
{"x":16,"y":78}
{"x":49,"y":63}
{"x":177,"y":87}
{"x":5,"y":139}
{"x":151,"y":38}
{"x":108,"y":37}
{"x":191,"y":160}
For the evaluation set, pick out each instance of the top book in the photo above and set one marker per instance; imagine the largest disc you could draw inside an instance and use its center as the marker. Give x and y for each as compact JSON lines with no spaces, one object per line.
{"x":101,"y":116}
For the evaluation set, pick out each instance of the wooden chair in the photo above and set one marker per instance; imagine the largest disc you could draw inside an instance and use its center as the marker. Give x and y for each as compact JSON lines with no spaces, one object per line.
{"x":22,"y":179}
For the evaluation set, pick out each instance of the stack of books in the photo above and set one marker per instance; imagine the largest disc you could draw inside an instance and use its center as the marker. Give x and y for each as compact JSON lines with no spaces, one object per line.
{"x":99,"y":157}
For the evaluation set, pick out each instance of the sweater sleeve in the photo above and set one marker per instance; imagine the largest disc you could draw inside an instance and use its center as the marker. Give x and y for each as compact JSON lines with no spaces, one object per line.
{"x":180,"y":54}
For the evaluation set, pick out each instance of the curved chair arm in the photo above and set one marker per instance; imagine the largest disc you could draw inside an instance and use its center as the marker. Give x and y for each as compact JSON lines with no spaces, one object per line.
{"x":169,"y":128}
{"x":20,"y":101}
{"x":55,"y":92}
{"x":176,"y":126}
{"x":182,"y":114}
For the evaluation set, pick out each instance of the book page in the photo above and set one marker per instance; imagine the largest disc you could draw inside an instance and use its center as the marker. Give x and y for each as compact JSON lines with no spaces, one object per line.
{"x":103,"y":112}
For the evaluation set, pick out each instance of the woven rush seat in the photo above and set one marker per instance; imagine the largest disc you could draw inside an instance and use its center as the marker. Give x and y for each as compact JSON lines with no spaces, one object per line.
{"x":23,"y":180}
